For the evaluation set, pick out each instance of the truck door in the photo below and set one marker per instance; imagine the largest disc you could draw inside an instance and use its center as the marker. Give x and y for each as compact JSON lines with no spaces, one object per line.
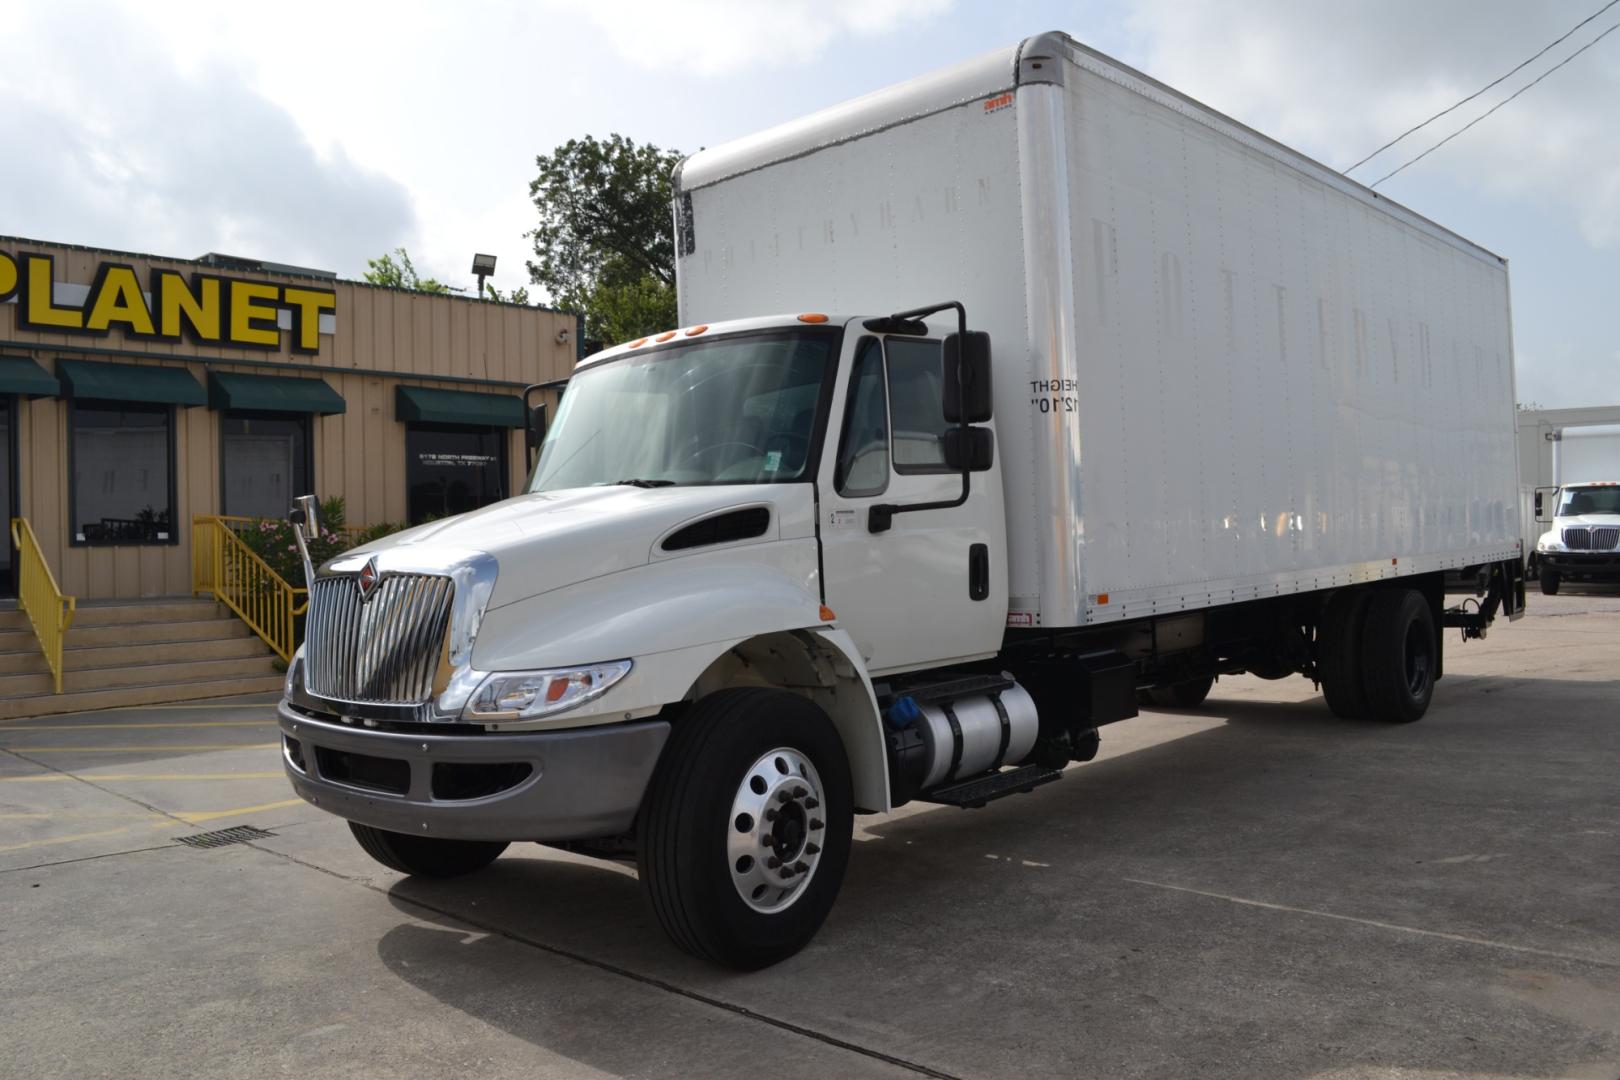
{"x":933,"y":587}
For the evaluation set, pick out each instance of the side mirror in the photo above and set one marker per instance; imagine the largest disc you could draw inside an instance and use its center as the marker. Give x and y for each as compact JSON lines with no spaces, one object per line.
{"x":305,"y":516}
{"x":970,"y":354}
{"x":1544,"y":511}
{"x":534,"y":422}
{"x":973,"y":447}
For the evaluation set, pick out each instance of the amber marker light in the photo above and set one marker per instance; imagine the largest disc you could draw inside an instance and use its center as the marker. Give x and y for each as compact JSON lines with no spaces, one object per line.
{"x":813,"y":317}
{"x":665,"y":336}
{"x":638,"y":343}
{"x":696,"y":330}
{"x":827,"y":614}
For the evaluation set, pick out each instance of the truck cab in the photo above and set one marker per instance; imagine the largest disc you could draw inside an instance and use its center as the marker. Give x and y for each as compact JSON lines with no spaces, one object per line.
{"x":1583,"y":543}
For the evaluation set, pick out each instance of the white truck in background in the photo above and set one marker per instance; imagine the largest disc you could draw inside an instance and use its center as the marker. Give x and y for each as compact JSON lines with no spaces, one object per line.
{"x":1584,"y":541}
{"x":773,"y":570}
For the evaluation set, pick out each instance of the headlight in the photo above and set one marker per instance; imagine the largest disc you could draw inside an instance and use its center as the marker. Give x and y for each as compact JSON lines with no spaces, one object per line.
{"x":525,"y":695}
{"x":1549,"y":545}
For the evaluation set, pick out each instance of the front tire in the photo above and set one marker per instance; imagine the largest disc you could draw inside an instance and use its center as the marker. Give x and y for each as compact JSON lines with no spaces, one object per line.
{"x":426,"y":856}
{"x":745,"y":830}
{"x":1550,"y":582}
{"x":1399,"y":655}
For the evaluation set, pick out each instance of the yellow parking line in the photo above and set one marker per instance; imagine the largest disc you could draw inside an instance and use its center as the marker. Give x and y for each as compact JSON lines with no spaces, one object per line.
{"x":53,"y":777}
{"x":131,"y":727}
{"x":139,"y":749}
{"x":84,"y":836}
{"x":211,"y":815}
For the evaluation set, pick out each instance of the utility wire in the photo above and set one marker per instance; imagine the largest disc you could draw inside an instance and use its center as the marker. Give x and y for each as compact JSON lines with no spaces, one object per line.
{"x":1482,"y":89}
{"x":1499,"y":104}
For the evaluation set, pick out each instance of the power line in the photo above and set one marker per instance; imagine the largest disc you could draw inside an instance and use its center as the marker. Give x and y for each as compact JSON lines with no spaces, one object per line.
{"x":1499,"y":104}
{"x":1482,"y":89}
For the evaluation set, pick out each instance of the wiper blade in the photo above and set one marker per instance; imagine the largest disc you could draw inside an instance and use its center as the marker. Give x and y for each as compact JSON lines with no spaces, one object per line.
{"x":633,"y":482}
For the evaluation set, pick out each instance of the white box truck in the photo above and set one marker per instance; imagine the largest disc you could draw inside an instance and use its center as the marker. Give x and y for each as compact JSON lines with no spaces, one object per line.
{"x":1078,"y":390}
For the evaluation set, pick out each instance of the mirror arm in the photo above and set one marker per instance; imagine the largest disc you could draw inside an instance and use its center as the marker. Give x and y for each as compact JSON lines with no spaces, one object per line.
{"x":881,"y":515}
{"x":305,"y":516}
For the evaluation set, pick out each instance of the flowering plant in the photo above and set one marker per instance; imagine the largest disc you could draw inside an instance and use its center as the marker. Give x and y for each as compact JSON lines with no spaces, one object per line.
{"x":274,"y":541}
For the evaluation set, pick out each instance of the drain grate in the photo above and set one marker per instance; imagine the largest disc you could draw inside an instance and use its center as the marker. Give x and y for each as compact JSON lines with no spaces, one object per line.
{"x":221,"y":837}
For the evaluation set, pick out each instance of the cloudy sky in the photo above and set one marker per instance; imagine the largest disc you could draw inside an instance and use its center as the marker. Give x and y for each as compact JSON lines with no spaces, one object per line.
{"x":325,"y":133}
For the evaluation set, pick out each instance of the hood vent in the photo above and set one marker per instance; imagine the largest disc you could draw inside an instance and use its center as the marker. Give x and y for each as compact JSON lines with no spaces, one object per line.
{"x":723,"y":528}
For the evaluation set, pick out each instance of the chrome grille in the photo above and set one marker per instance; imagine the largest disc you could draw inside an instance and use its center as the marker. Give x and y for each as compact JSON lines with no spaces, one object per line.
{"x":1605,"y":538}
{"x":384,"y":650}
{"x":1578,"y":539}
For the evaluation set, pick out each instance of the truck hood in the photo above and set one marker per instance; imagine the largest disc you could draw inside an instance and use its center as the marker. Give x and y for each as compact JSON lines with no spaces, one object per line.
{"x":1586,"y":519}
{"x":552,"y":539}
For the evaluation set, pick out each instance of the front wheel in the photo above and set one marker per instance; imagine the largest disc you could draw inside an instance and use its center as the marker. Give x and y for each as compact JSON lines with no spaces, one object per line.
{"x":426,"y":856}
{"x":745,"y":830}
{"x":1550,"y":582}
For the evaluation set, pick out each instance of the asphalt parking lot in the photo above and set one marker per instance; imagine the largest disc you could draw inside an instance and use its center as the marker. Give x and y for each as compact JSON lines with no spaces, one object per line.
{"x":1255,"y":889}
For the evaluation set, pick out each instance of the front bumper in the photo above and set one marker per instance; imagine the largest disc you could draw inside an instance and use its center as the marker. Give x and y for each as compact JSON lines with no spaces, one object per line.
{"x":577,"y":784}
{"x":1593,"y":564}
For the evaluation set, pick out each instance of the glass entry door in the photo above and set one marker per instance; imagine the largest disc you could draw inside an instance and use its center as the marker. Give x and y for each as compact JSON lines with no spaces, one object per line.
{"x":8,"y":497}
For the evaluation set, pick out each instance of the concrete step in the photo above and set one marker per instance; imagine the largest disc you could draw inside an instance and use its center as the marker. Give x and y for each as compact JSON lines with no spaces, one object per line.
{"x":166,"y":609}
{"x":12,"y":620}
{"x":91,"y":637}
{"x":14,"y":708}
{"x":180,"y":672}
{"x":18,"y":640}
{"x":23,"y":661}
{"x":79,"y":658}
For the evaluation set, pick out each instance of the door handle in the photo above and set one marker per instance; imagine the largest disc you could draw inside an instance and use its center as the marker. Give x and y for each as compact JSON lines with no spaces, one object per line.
{"x":979,"y":572}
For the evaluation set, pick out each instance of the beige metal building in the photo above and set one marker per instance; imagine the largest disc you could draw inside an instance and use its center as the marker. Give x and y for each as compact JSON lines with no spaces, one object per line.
{"x":137,"y":391}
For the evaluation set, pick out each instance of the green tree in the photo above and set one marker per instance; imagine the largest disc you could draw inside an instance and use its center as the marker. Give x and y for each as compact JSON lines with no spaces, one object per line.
{"x":603,"y":245}
{"x":394,"y":270}
{"x":519,"y":295}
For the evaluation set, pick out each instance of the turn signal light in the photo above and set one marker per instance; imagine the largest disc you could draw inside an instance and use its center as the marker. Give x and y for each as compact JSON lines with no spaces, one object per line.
{"x":696,"y":330}
{"x":827,"y":614}
{"x":813,"y":317}
{"x":638,"y":343}
{"x":665,"y":336}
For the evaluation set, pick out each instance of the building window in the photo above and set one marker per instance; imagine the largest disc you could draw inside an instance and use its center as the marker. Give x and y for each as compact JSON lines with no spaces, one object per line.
{"x":451,"y":468}
{"x":123,"y":474}
{"x":264,"y":462}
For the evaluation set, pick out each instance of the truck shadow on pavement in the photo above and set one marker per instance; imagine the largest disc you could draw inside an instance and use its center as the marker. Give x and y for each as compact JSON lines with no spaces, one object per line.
{"x":1067,"y":913}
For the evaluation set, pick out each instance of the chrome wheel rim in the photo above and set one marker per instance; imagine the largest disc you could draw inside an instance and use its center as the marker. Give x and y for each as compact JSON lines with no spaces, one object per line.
{"x":776,"y":830}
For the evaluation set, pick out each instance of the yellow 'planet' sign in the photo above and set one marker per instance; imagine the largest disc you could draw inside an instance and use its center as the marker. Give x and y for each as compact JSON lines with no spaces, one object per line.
{"x":205,"y":309}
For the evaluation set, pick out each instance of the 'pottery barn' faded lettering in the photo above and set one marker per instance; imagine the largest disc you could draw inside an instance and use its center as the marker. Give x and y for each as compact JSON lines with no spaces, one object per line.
{"x":204,"y":309}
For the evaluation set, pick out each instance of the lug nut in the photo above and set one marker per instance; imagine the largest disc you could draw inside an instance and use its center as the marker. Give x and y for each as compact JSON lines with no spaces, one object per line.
{"x":811,"y":804}
{"x":783,"y":796}
{"x":812,"y":849}
{"x":787,"y":872}
{"x":816,"y":823}
{"x":770,"y":813}
{"x":799,"y":792}
{"x":772,"y":863}
{"x":801,"y":866}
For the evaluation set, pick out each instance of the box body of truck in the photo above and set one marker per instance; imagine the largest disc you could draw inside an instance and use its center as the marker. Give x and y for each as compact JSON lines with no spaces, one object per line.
{"x":1222,"y":371}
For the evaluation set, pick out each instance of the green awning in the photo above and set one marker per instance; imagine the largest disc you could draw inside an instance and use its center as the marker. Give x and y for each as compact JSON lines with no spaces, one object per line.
{"x":272,"y":393}
{"x":129,"y":382}
{"x":417,"y":404}
{"x":20,"y":375}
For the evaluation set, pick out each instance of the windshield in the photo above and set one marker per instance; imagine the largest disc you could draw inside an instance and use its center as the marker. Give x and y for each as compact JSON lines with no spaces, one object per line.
{"x":738,"y":410}
{"x":1590,"y":500}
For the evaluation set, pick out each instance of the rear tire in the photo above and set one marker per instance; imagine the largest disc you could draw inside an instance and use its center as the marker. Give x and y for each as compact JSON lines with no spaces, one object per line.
{"x":1550,"y":582}
{"x":1399,"y":655}
{"x":426,"y":856}
{"x":1338,"y":654}
{"x":704,"y":843}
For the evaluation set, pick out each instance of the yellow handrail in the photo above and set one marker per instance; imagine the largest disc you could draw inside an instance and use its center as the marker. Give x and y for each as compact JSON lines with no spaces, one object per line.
{"x":233,"y":573}
{"x":50,"y":612}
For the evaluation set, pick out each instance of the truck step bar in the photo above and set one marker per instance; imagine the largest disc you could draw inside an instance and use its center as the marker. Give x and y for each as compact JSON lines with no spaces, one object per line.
{"x":974,"y":793}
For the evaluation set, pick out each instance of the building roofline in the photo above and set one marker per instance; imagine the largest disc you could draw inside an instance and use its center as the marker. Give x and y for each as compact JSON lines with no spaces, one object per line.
{"x":13,"y":241}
